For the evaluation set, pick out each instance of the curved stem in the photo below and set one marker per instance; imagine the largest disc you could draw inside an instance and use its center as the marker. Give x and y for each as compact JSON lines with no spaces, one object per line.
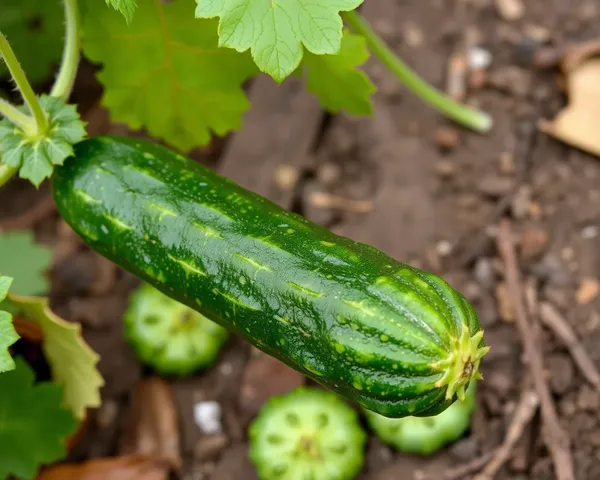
{"x":459,"y":112}
{"x":71,"y":53}
{"x":16,"y":116}
{"x":6,"y":173}
{"x":23,"y":85}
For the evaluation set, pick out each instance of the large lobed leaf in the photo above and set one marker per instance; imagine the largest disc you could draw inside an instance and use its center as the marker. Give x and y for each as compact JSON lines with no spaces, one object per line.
{"x":8,"y":335}
{"x":166,"y":73}
{"x":275,"y":32}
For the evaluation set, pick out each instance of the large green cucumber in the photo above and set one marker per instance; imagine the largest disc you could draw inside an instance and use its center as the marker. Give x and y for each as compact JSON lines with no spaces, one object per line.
{"x":393,"y":338}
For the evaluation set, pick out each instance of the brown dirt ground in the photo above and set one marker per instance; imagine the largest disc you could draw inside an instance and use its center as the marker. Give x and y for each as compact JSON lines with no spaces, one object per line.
{"x":431,"y":207}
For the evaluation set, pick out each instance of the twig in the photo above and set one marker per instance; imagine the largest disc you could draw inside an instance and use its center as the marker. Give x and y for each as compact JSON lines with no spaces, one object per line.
{"x":555,"y":322}
{"x":555,"y":438}
{"x":524,"y":412}
{"x":460,"y":472}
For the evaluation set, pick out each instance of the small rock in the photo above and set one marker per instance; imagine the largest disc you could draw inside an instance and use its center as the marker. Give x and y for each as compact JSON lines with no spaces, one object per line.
{"x":588,"y":290}
{"x":506,"y":308}
{"x":445,"y":168}
{"x":561,"y":373}
{"x":447,"y":138}
{"x":413,"y":35}
{"x":588,"y":399}
{"x":443,"y":248}
{"x":479,"y":58}
{"x":484,"y":273}
{"x":495,"y":186}
{"x":465,"y":449}
{"x":534,"y":242}
{"x":551,"y":270}
{"x":286,"y":177}
{"x":510,"y":10}
{"x":207,"y":415}
{"x":210,"y":446}
{"x":329,"y":174}
{"x":506,"y":163}
{"x":589,"y":232}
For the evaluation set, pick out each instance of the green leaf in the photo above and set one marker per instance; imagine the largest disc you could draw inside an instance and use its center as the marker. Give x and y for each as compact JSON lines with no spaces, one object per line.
{"x":33,"y":426}
{"x":336,"y":81}
{"x":166,"y":73}
{"x":36,"y":156}
{"x":36,"y":31}
{"x":8,"y":335}
{"x":126,"y":7}
{"x":72,"y":361}
{"x":25,"y":261}
{"x":276,"y":31}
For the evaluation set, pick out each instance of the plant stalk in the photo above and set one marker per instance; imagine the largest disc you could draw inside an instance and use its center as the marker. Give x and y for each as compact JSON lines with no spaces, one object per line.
{"x":6,"y":173}
{"x":467,"y":116}
{"x":65,"y":79}
{"x":23,"y":85}
{"x":17,"y":117}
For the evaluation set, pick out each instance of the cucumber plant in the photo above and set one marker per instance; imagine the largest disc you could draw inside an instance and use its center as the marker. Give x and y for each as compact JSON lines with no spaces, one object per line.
{"x":394,"y":339}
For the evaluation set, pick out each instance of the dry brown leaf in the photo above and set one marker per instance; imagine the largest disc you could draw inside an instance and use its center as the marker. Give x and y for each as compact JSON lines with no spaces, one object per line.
{"x":577,"y":123}
{"x":153,"y":430}
{"x":132,"y":467}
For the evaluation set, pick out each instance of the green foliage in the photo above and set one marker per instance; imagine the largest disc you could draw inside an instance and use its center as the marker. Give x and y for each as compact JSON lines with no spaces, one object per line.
{"x":8,"y":335}
{"x":25,"y":261}
{"x":425,"y":435}
{"x":36,"y":156}
{"x":72,"y":361}
{"x":126,"y":7}
{"x":165,"y":72}
{"x":336,"y":81}
{"x":169,"y":336}
{"x":33,"y":425}
{"x":307,"y":433}
{"x":275,"y":32}
{"x":35,"y":29}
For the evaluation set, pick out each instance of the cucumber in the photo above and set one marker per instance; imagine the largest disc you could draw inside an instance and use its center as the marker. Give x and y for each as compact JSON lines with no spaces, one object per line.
{"x":395,"y":339}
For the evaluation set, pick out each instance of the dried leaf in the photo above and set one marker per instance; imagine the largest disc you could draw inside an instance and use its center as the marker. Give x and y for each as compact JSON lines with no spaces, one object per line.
{"x":154,"y":428}
{"x":577,"y":123}
{"x":132,"y":467}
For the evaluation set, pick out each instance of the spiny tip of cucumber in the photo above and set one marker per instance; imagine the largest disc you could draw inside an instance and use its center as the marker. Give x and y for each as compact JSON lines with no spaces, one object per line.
{"x":462,"y":364}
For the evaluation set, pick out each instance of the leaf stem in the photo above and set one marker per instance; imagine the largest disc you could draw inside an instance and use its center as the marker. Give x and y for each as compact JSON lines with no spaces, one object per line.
{"x":467,"y":116}
{"x":6,"y":173}
{"x":23,"y":85}
{"x":65,"y":80}
{"x":16,"y":116}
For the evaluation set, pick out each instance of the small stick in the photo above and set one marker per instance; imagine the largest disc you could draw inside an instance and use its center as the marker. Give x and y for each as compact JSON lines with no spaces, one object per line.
{"x":524,"y":412}
{"x":552,"y":319}
{"x":556,"y":439}
{"x":460,"y":472}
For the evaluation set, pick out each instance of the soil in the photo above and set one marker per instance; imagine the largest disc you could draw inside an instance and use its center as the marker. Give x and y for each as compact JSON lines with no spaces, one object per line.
{"x":412,"y":184}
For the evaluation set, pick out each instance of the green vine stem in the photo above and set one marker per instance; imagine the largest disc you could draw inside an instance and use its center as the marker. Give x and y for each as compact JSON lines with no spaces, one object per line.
{"x":459,"y":112}
{"x":18,"y":75}
{"x":71,"y":53}
{"x":6,"y":173}
{"x":16,"y":116}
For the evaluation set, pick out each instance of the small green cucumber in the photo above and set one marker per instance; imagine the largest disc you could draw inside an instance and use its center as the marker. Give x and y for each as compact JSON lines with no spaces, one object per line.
{"x":425,"y":435}
{"x":170,"y":336}
{"x":307,"y":433}
{"x":395,"y":339}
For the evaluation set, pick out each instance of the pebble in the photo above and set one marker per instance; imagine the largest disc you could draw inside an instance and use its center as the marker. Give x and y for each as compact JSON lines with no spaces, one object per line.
{"x":207,"y":415}
{"x":588,"y":290}
{"x":479,"y":58}
{"x":534,"y":242}
{"x":465,"y":449}
{"x":589,"y":232}
{"x":445,"y":168}
{"x":286,"y":177}
{"x":495,"y":186}
{"x":447,"y":138}
{"x":329,"y":173}
{"x":510,"y":10}
{"x":484,"y":273}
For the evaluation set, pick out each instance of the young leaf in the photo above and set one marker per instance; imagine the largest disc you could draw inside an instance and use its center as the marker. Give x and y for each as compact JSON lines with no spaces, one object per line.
{"x":72,"y":361}
{"x":33,"y":425}
{"x":8,"y":335}
{"x":276,"y":31}
{"x":336,"y":81}
{"x":126,"y":7}
{"x":25,"y":261}
{"x":37,"y":156}
{"x":36,"y":31}
{"x":172,"y":79}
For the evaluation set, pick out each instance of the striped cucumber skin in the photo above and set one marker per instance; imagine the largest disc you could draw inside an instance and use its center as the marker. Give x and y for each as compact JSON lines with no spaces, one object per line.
{"x":394,"y":339}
